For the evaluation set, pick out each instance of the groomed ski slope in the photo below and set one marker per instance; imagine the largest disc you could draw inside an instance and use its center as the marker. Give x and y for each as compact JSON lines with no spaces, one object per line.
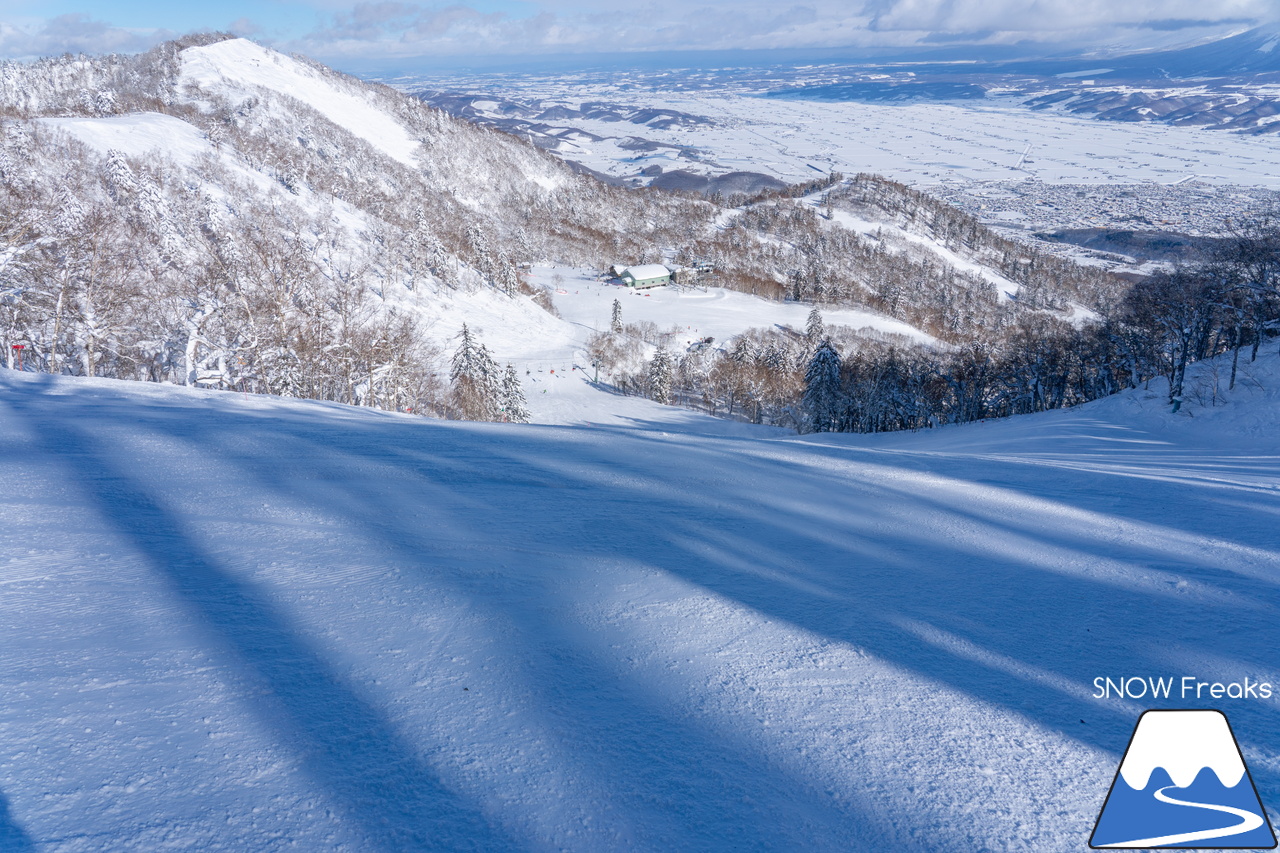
{"x":235,"y":623}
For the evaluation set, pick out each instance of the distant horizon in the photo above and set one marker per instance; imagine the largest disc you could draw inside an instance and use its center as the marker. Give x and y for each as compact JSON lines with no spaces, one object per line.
{"x":932,"y":58}
{"x":650,"y":60}
{"x":385,"y":37}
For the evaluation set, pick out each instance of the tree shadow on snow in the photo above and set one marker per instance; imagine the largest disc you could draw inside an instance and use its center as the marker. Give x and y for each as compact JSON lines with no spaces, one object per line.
{"x":376,"y":780}
{"x":13,"y":839}
{"x":939,"y":566}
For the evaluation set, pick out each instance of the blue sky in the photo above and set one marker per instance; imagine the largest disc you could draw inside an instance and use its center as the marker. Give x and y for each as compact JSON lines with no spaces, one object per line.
{"x":346,"y":33}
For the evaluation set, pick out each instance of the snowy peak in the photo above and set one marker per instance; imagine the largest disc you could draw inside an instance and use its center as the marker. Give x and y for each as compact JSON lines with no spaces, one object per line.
{"x":1183,"y":743}
{"x":238,"y":69}
{"x":241,"y":64}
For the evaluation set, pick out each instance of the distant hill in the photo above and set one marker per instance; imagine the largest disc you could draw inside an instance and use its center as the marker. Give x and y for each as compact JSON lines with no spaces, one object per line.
{"x":1255,"y":51}
{"x":217,"y":213}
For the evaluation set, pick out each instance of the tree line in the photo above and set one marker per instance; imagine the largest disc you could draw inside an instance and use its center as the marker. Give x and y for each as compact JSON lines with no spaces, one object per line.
{"x":1165,"y":322}
{"x":829,"y":380}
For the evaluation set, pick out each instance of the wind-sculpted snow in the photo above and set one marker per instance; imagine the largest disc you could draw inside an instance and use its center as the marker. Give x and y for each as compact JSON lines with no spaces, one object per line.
{"x":236,"y":622}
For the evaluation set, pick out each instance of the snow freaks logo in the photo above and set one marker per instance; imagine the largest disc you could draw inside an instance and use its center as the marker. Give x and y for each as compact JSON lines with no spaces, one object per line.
{"x":1188,"y":687}
{"x":1182,"y":782}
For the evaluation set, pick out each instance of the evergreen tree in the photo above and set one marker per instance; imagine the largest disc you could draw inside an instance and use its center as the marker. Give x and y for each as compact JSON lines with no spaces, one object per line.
{"x":615,"y":325}
{"x":489,"y":379}
{"x":740,"y":351}
{"x":505,"y":277}
{"x":70,"y":213}
{"x":814,"y":329}
{"x":120,"y":179}
{"x":464,"y":358}
{"x":476,"y":384}
{"x":822,"y":397}
{"x":482,"y":255}
{"x":660,"y":376}
{"x":513,"y":402}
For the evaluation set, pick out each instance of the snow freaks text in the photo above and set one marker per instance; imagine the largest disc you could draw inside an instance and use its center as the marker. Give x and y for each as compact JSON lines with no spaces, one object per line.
{"x":1187,"y":687}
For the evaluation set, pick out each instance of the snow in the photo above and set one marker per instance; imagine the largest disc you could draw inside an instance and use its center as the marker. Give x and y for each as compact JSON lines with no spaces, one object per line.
{"x":920,"y":144}
{"x":703,"y":311}
{"x":550,"y":352}
{"x":238,"y":623}
{"x":150,"y":134}
{"x":648,"y":271}
{"x":1005,"y":288}
{"x":1092,"y":72}
{"x":238,"y":63}
{"x":138,"y":135}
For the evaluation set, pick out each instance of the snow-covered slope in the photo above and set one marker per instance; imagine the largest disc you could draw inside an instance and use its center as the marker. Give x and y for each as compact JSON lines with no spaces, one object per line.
{"x":239,"y":66}
{"x":304,"y":205}
{"x":236,"y":622}
{"x":892,"y":234}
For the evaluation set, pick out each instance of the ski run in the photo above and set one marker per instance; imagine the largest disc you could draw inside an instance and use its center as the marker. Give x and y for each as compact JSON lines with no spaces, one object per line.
{"x":234,"y":622}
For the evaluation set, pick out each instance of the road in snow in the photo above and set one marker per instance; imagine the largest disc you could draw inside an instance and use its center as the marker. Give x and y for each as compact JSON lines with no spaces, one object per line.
{"x":234,"y":623}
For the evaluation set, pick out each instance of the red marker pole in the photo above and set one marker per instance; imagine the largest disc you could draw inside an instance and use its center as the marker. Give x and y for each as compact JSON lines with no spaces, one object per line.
{"x":18,"y":348}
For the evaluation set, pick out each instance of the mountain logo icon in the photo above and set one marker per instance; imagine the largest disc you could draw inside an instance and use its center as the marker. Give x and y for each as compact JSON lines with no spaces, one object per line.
{"x":1183,"y":784}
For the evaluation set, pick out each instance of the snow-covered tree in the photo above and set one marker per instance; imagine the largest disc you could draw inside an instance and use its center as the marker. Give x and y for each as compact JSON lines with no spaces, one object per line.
{"x":514,"y":408}
{"x":505,"y":276}
{"x":660,"y":376}
{"x":120,"y":178}
{"x":615,"y":324}
{"x":814,"y":329}
{"x":477,"y":387}
{"x":69,"y":213}
{"x":822,"y":397}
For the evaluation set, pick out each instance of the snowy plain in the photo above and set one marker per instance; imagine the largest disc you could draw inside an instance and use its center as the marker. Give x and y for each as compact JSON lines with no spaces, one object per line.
{"x":236,"y":622}
{"x":917,"y":143}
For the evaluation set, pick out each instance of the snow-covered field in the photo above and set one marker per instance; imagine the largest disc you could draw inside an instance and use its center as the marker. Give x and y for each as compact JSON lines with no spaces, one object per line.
{"x":920,"y":143}
{"x":706,"y":311}
{"x":550,"y":353}
{"x":233,"y":623}
{"x":925,"y":143}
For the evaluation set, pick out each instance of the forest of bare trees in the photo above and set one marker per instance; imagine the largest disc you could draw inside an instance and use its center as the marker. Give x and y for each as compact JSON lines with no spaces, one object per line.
{"x":292,"y":257}
{"x":820,"y":381}
{"x":301,"y":263}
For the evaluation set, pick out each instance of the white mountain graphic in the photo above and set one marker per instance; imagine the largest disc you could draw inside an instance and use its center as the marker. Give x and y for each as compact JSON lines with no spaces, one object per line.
{"x":1183,"y":743}
{"x":1182,"y":782}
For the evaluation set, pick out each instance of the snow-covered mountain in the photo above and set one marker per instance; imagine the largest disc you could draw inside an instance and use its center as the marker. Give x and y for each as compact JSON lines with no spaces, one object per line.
{"x":222,"y":213}
{"x":1252,"y":51}
{"x":218,"y":213}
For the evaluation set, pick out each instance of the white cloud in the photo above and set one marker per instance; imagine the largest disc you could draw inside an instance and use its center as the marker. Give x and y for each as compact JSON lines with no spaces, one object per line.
{"x":390,"y":29}
{"x":1045,"y":19}
{"x":74,"y":33}
{"x":404,"y":28}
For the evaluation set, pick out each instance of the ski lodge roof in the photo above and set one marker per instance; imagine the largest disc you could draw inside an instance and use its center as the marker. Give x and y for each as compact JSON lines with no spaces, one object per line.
{"x":647,"y":271}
